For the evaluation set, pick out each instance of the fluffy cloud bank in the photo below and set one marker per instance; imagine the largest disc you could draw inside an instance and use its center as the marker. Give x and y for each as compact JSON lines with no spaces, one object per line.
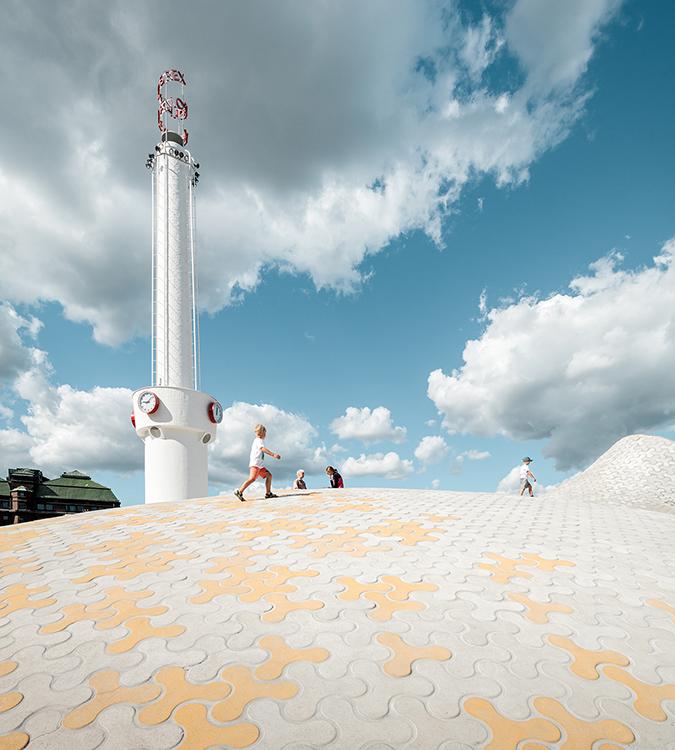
{"x":324,"y":132}
{"x":367,"y":425}
{"x":580,"y":369}
{"x":289,"y":434}
{"x":389,"y":465}
{"x":65,"y":428}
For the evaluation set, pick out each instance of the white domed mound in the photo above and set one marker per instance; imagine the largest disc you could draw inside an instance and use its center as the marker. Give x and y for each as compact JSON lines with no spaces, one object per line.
{"x":341,"y":620}
{"x":637,"y":471}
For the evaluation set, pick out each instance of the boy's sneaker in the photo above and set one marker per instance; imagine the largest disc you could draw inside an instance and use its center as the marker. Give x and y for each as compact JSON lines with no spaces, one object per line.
{"x":270,"y":495}
{"x":238,"y":494}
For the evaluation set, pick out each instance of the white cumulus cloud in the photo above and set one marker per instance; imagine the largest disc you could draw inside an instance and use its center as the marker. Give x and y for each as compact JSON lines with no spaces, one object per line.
{"x":579,"y":369}
{"x":367,"y":425}
{"x":431,"y":449}
{"x":389,"y":465}
{"x":291,"y":435}
{"x":474,"y":455}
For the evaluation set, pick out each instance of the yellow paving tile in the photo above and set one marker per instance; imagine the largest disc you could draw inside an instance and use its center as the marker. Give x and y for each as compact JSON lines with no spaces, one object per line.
{"x":503,"y":569}
{"x":177,"y":690}
{"x":224,"y":587}
{"x":354,"y":589}
{"x":543,"y":563}
{"x":14,"y":741}
{"x":199,"y":733}
{"x":282,"y":605}
{"x":107,"y":692}
{"x":507,"y":734}
{"x":385,"y":607}
{"x":13,"y":564}
{"x":538,"y":611}
{"x":247,"y":689}
{"x":132,"y":565}
{"x":10,"y":700}
{"x":18,"y":596}
{"x":582,"y":735}
{"x":648,"y":697}
{"x":411,"y":533}
{"x":281,"y":655}
{"x":242,"y":557}
{"x":6,"y":667}
{"x":13,"y":539}
{"x":585,"y":663}
{"x":141,"y":628}
{"x":400,"y":664}
{"x":401,"y":590}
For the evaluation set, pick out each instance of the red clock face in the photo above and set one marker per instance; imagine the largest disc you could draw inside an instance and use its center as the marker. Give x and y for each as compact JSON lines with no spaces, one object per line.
{"x":148,"y":402}
{"x":215,"y":412}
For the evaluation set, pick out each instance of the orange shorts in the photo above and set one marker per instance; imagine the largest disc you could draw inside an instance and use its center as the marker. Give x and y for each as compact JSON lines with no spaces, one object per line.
{"x":259,"y":472}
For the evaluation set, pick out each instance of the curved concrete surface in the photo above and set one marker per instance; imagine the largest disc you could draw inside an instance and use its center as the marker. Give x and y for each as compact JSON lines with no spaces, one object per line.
{"x":349,"y":619}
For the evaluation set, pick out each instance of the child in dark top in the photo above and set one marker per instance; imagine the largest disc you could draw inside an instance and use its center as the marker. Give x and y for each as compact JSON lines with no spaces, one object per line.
{"x":334,"y":476}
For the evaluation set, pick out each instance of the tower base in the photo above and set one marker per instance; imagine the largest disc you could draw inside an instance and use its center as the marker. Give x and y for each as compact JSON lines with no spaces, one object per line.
{"x":176,"y":438}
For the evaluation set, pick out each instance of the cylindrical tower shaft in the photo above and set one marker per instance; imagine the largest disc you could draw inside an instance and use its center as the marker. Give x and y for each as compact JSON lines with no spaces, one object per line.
{"x":173,"y":284}
{"x":175,"y":420}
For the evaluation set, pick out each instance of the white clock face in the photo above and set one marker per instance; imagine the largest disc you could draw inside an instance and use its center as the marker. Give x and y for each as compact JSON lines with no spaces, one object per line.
{"x":148,"y":402}
{"x":216,"y":412}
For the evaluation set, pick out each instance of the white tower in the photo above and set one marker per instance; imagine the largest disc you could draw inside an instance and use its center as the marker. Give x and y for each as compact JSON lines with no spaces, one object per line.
{"x":172,"y":417}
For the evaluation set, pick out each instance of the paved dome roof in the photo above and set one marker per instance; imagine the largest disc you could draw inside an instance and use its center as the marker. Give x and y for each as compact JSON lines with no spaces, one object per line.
{"x":347,"y":619}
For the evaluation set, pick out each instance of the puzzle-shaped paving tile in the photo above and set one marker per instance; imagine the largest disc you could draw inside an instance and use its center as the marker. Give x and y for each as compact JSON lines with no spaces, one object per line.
{"x":379,"y":619}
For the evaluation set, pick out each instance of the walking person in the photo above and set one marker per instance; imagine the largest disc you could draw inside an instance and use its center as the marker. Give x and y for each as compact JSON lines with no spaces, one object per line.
{"x":256,"y":464}
{"x":334,"y":476}
{"x":525,"y":475}
{"x":299,"y":483}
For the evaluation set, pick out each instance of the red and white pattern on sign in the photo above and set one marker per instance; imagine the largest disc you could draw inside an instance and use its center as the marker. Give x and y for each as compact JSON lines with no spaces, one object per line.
{"x":176,"y":108}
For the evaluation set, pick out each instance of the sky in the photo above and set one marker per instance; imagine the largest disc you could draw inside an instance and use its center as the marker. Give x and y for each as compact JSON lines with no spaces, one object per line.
{"x":432,"y":237}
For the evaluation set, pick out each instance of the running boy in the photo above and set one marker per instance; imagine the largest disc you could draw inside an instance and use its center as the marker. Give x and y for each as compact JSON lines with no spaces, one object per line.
{"x":256,"y":464}
{"x":525,"y":475}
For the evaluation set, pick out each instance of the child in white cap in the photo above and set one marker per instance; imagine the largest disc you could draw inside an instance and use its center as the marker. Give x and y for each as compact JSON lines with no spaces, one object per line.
{"x":525,"y":475}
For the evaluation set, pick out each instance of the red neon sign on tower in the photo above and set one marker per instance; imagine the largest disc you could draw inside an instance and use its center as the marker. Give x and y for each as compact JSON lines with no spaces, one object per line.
{"x":175,"y":107}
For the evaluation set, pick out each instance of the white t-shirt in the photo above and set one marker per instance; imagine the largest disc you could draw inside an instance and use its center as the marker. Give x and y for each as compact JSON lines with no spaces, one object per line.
{"x":524,"y":468}
{"x":257,"y":457}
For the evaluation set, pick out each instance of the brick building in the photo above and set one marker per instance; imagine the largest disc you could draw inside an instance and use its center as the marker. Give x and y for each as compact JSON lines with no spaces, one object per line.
{"x":27,"y":495}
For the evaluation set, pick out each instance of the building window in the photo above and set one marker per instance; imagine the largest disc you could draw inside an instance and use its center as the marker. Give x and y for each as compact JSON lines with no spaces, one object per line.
{"x":49,"y":506}
{"x":4,"y":503}
{"x":40,"y":506}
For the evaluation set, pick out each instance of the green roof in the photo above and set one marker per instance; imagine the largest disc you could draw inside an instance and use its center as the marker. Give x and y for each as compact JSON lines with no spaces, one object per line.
{"x":74,"y":485}
{"x":71,"y":485}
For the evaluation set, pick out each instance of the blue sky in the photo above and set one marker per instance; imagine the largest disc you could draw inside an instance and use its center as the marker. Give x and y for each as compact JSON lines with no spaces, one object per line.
{"x":603,"y":183}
